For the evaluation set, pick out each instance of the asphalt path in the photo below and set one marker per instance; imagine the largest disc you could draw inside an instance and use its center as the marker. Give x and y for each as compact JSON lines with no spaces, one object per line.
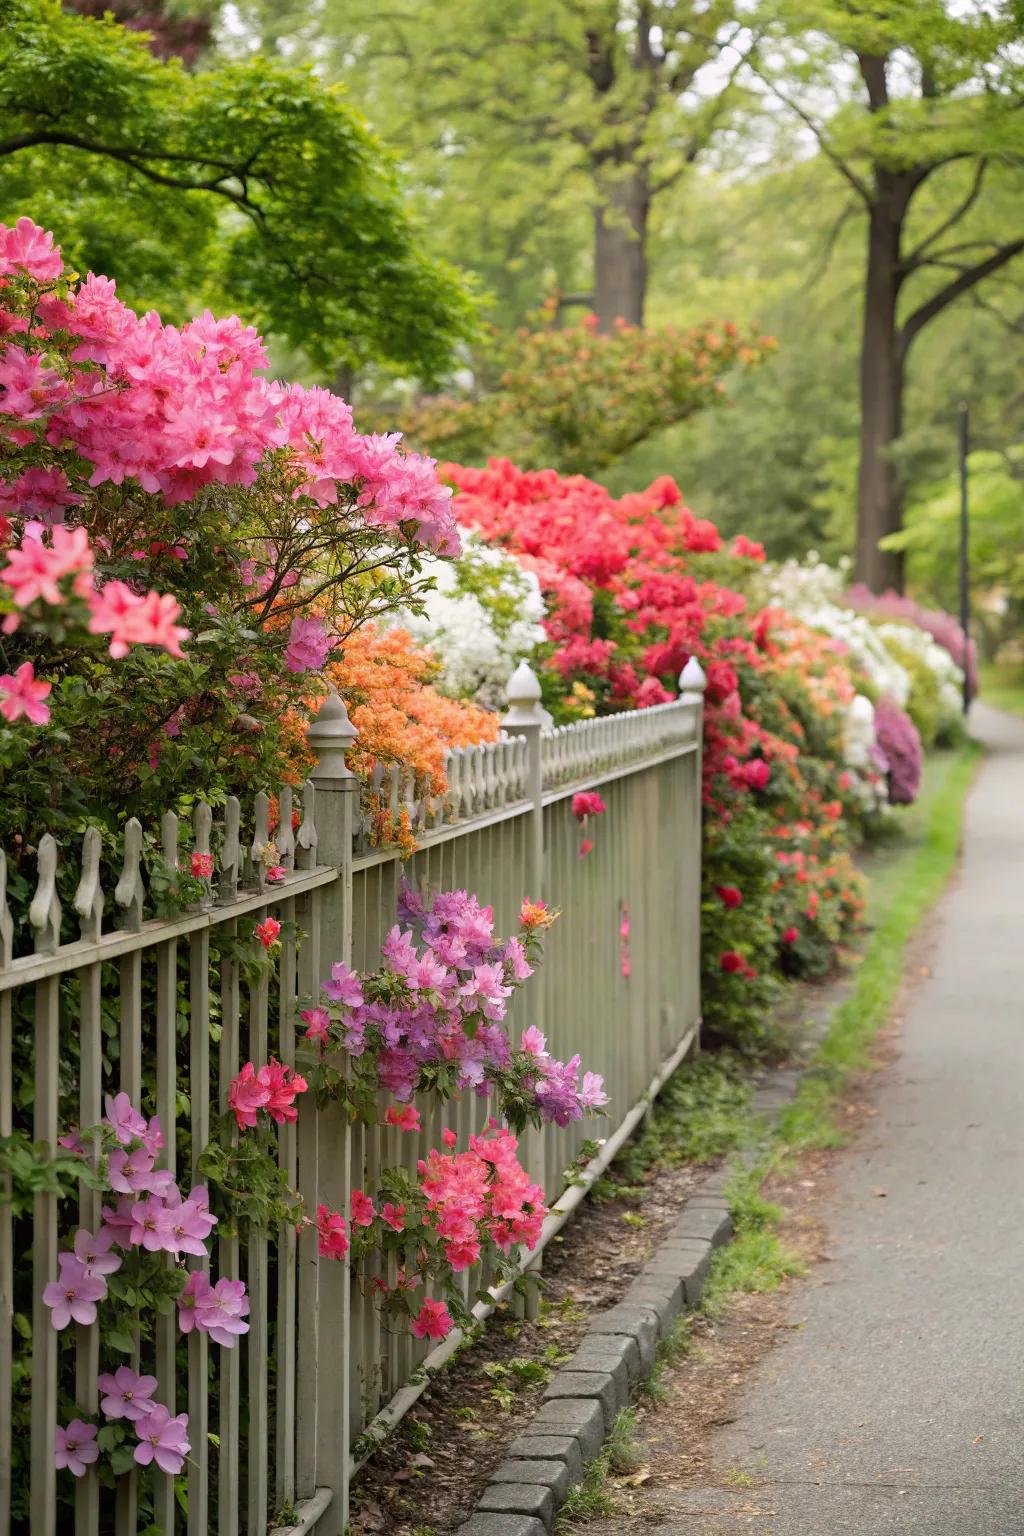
{"x":898,"y":1404}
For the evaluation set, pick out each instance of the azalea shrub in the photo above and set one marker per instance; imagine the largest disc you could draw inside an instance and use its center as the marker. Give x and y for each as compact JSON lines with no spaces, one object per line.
{"x":634,"y":587}
{"x":573,"y":397}
{"x":183,"y":544}
{"x":431,"y":1018}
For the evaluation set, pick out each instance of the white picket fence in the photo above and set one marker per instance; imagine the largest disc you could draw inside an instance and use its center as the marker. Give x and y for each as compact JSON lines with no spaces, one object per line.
{"x":317,"y":1379}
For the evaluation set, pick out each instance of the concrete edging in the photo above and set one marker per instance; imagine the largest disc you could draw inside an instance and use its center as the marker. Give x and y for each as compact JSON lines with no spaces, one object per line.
{"x":618,"y":1350}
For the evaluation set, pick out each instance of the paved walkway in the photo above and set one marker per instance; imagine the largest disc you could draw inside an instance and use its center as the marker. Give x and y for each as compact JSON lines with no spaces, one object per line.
{"x":899,"y":1405}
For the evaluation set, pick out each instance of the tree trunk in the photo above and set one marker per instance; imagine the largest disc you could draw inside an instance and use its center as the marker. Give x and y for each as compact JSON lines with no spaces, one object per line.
{"x":620,"y":251}
{"x":879,"y":493}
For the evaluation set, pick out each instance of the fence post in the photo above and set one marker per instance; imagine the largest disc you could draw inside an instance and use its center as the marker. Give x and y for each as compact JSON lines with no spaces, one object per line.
{"x":330,"y":736}
{"x":692,"y":683}
{"x":525,"y":717}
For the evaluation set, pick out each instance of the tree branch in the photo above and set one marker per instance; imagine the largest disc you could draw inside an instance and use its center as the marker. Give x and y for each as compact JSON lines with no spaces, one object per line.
{"x":136,"y":161}
{"x":967,"y":279}
{"x":913,"y":258}
{"x":861,"y":187}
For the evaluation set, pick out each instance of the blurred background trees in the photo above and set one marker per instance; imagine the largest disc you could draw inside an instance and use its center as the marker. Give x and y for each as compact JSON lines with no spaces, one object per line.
{"x":446,"y":191}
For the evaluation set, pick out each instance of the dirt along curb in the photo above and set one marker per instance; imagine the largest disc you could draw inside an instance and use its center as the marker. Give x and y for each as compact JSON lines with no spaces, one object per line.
{"x":618,"y":1351}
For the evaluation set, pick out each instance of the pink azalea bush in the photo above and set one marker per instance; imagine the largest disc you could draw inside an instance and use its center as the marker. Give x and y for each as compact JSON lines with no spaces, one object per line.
{"x":900,"y":746}
{"x":183,"y":542}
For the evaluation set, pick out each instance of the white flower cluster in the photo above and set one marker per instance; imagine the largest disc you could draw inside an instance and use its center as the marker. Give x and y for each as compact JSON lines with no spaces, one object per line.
{"x":861,"y":755}
{"x":480,"y":621}
{"x":811,"y":592}
{"x":939,"y":662}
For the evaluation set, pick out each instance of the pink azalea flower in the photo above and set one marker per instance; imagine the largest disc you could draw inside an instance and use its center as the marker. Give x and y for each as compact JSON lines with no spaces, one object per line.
{"x":93,"y":1253}
{"x":151,"y":1228}
{"x":587,"y":803}
{"x":449,"y":1137}
{"x":34,"y":570}
{"x":162,"y":1439}
{"x":21,"y":693}
{"x":592,"y":1094}
{"x":318,"y":1022}
{"x":247,"y":1095}
{"x":196,"y":1289}
{"x":394,"y":1215}
{"x":75,"y":1448}
{"x":534,"y":1042}
{"x":186,"y":1228}
{"x":221,"y":1311}
{"x":276,"y":873}
{"x":432,"y":1321}
{"x":129,"y":1172}
{"x":268,"y":932}
{"x":123,"y":1118}
{"x":308,"y":647}
{"x":127,"y":1395}
{"x":361,"y":1209}
{"x":73,"y":1297}
{"x":333,"y":1233}
{"x":406,"y":1119}
{"x":27,"y":248}
{"x":284,"y":1084}
{"x":202,"y":866}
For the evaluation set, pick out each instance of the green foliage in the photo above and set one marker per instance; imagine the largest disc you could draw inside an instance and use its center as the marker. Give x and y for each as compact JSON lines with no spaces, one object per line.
{"x":249,"y":184}
{"x":570,"y":399}
{"x":931,"y":537}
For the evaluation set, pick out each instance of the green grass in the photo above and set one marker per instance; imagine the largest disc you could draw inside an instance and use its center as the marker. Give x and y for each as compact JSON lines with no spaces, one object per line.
{"x":1002,"y":684}
{"x":906,"y":878}
{"x":907,"y":875}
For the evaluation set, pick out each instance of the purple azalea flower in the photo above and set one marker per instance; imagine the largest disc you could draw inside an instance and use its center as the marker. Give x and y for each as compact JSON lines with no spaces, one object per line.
{"x":126,"y":1395}
{"x":344,"y":987}
{"x":75,"y":1448}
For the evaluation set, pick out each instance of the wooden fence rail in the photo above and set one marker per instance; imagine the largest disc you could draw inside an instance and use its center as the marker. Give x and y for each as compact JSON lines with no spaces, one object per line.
{"x":106,"y":997}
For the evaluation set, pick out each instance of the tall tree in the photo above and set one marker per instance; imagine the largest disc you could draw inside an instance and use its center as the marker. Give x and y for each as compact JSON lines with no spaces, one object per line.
{"x":599,"y":104}
{"x":934,"y":117}
{"x":260,"y":186}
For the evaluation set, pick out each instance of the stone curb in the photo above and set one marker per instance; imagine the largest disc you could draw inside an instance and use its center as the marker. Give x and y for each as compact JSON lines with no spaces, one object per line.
{"x":583,"y":1400}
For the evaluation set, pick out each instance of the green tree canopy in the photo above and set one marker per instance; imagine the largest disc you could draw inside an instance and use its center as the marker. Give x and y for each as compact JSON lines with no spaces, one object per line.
{"x":251,"y":185}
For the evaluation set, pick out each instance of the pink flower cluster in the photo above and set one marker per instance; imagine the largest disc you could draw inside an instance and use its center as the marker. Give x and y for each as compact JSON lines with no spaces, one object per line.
{"x":49,"y":566}
{"x":480,"y":1194}
{"x":179,"y":408}
{"x":149,"y":1214}
{"x":440,"y":999}
{"x":273,"y":1088}
{"x":162,"y":1438}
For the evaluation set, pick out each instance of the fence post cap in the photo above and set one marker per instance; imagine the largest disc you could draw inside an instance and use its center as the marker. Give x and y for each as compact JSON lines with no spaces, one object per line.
{"x":523,"y":695}
{"x":692,"y":679}
{"x":330,"y":735}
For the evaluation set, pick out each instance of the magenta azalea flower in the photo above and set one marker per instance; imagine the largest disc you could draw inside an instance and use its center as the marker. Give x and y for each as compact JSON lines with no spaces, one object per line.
{"x":126,"y":1394}
{"x":162,"y":1439}
{"x":75,"y":1448}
